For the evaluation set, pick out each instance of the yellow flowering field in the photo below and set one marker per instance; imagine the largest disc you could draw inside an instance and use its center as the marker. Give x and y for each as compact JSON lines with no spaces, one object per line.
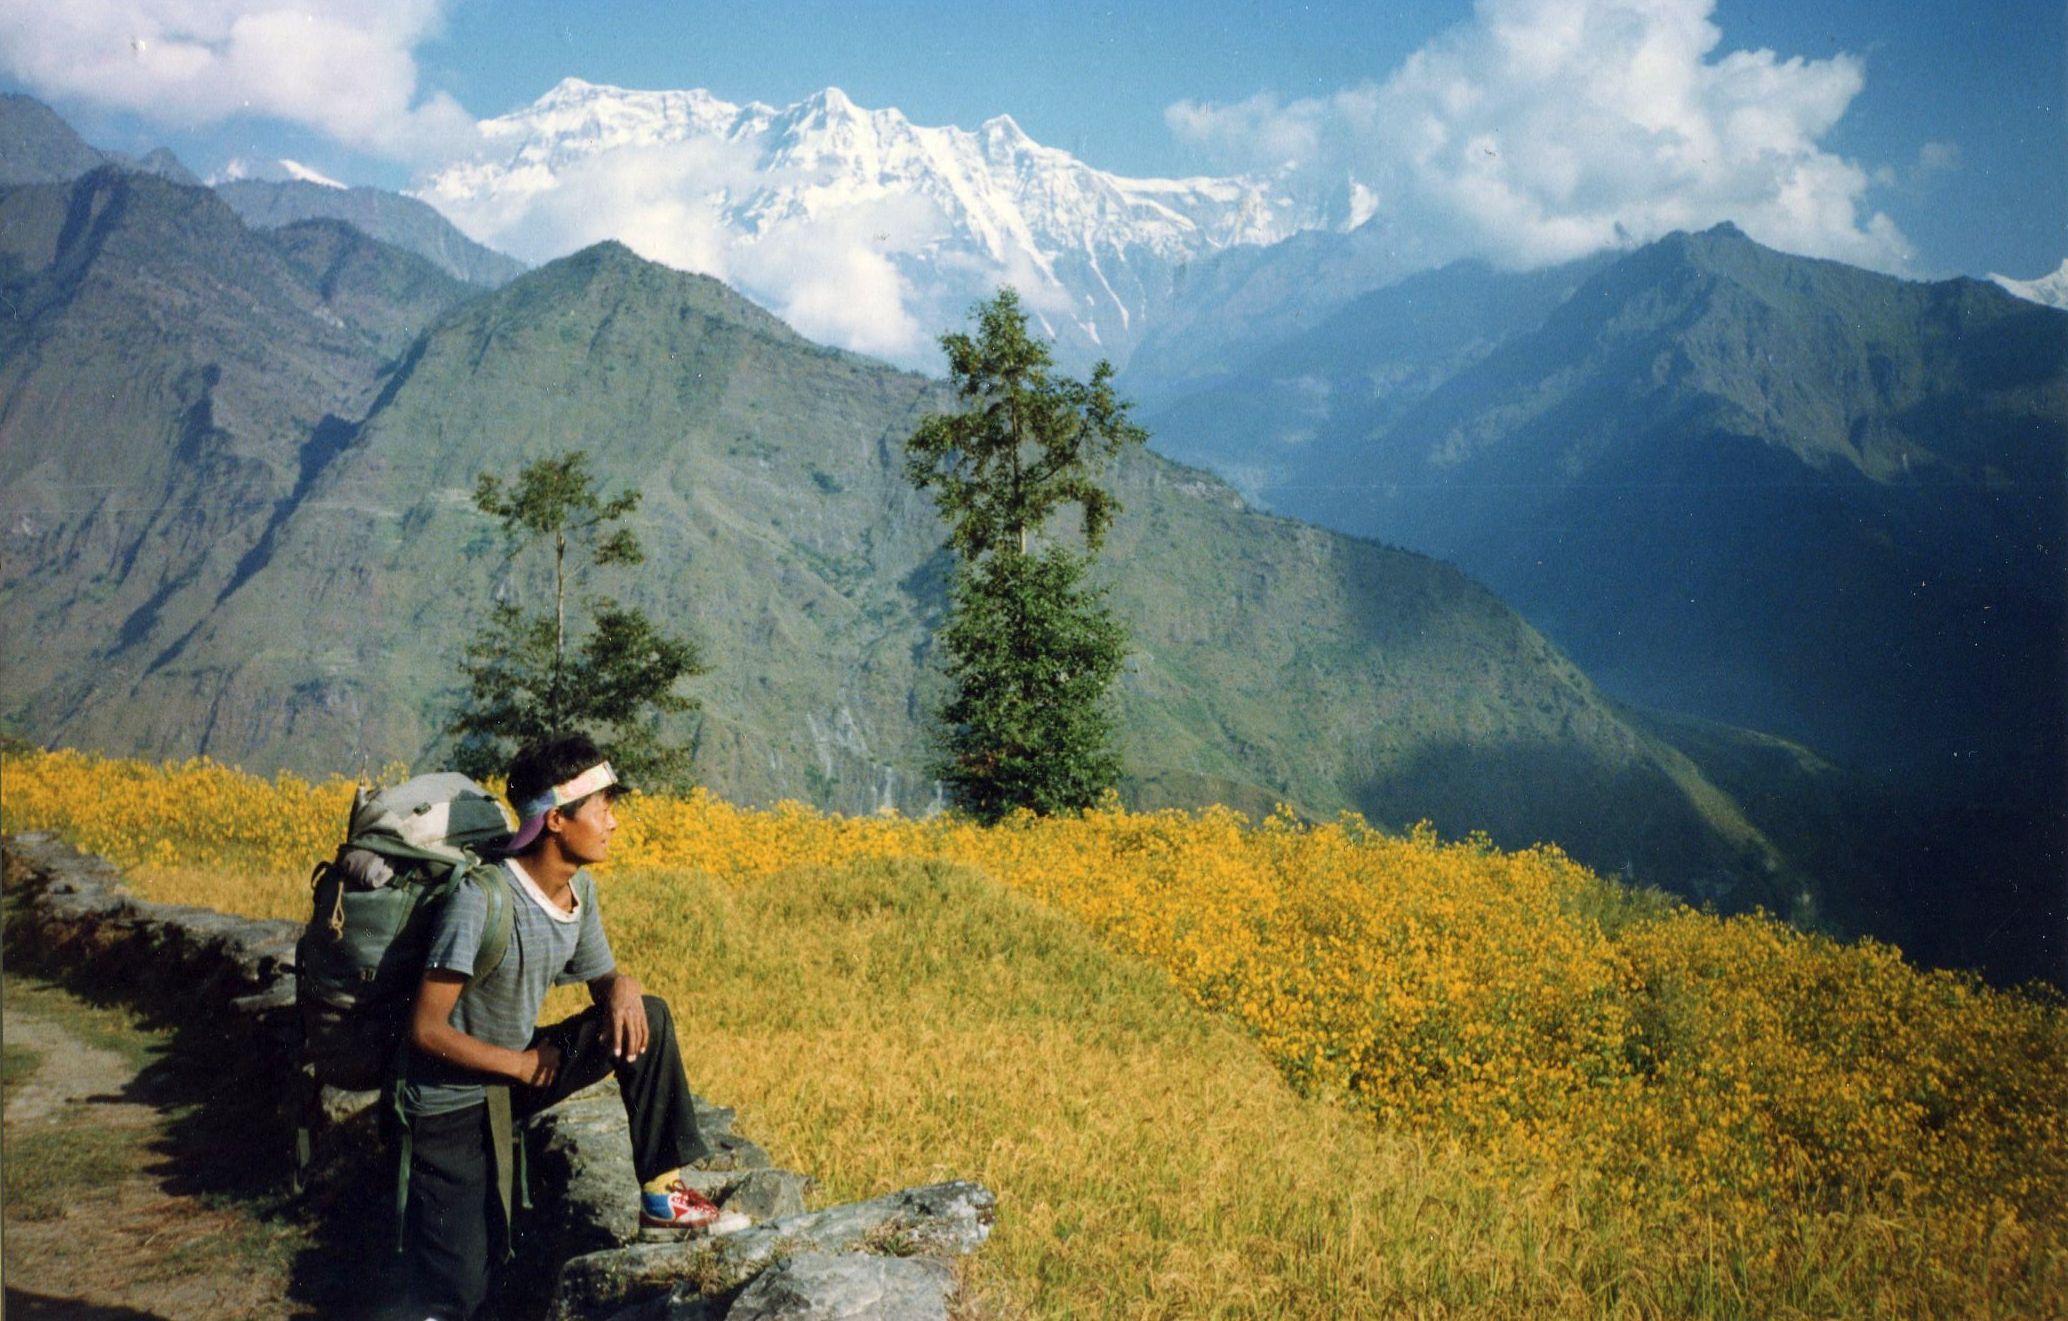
{"x":1399,"y":1075}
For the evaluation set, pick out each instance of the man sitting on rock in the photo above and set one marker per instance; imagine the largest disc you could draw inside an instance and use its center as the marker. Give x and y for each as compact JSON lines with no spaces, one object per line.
{"x":475,"y":1039}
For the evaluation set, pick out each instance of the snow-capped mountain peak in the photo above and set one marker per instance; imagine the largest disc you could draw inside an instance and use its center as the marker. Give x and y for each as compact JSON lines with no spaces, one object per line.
{"x":274,"y":171}
{"x":857,"y":225}
{"x":2047,"y":290}
{"x":1002,"y":135}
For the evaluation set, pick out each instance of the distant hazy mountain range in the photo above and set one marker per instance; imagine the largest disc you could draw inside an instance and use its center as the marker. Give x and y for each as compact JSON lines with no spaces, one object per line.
{"x":1705,"y":440}
{"x":403,"y":221}
{"x":38,"y":146}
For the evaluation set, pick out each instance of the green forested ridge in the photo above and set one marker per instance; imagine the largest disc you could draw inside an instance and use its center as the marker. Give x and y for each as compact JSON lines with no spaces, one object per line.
{"x":384,"y":293}
{"x":1272,"y":660}
{"x":166,"y":382}
{"x":1769,"y":491}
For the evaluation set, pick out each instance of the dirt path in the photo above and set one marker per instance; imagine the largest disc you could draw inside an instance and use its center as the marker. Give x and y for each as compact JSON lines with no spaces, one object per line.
{"x":71,"y":1074}
{"x":93,"y":1228}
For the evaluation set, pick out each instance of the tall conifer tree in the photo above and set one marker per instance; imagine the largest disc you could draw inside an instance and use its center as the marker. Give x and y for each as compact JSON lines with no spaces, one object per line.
{"x":528,"y":679}
{"x":1031,"y":646}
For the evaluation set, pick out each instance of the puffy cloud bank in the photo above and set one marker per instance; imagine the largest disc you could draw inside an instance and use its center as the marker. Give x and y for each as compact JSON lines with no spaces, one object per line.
{"x":343,"y":68}
{"x":1543,"y":130}
{"x":834,"y":275}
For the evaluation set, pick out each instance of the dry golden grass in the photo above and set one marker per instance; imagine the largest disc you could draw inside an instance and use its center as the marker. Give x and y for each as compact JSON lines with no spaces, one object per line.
{"x":1221,"y":1070}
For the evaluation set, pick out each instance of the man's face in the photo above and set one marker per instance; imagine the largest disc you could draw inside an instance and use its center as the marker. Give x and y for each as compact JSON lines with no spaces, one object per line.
{"x":585,"y":830}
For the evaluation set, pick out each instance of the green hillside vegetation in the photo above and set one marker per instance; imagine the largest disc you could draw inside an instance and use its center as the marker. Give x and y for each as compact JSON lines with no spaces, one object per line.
{"x":1272,"y":661}
{"x":384,"y":293}
{"x":165,"y":379}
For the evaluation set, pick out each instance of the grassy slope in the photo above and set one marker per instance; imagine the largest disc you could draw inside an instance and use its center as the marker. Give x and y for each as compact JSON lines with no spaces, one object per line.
{"x":888,"y":1023}
{"x":884,"y":1020}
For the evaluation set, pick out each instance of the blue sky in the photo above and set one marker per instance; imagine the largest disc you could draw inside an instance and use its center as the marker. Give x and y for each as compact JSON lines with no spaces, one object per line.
{"x":1954,"y":114}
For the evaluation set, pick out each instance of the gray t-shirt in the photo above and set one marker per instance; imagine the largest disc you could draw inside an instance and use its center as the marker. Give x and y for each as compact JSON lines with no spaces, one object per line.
{"x":547,"y":947}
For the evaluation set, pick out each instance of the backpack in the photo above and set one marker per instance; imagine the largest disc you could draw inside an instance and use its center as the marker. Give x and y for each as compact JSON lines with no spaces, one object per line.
{"x":359,"y":961}
{"x":408,"y":850}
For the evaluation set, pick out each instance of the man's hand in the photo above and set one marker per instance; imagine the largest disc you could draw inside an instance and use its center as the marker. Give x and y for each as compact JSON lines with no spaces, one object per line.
{"x":431,"y":1031}
{"x":623,"y":1000}
{"x":539,"y":1065}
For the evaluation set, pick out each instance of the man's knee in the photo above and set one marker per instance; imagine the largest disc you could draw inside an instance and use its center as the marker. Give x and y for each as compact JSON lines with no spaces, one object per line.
{"x":657,"y":1015}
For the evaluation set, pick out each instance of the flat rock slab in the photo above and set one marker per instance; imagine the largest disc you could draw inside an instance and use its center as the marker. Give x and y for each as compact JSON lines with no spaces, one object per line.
{"x":940,"y":1220}
{"x":813,"y":1286}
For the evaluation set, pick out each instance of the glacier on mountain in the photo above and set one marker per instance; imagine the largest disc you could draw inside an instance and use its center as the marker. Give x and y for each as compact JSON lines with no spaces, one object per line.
{"x":858,"y":226}
{"x":282,"y":170}
{"x":2047,"y":290}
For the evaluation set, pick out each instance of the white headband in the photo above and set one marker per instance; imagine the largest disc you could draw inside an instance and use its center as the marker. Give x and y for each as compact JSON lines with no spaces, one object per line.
{"x":599,"y":776}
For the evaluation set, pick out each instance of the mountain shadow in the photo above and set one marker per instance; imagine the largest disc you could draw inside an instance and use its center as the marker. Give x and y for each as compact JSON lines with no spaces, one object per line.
{"x":1766,"y":491}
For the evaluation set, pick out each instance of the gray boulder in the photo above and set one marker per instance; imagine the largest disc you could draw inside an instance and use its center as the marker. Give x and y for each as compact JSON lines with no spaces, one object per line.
{"x":939,"y":1220}
{"x":813,"y":1286}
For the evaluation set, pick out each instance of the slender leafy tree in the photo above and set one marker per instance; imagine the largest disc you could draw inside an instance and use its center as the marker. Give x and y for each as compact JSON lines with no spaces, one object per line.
{"x":528,"y":678}
{"x":1032,"y":648}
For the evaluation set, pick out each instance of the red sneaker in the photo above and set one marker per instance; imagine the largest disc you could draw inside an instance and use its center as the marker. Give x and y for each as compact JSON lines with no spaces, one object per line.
{"x":676,"y":1213}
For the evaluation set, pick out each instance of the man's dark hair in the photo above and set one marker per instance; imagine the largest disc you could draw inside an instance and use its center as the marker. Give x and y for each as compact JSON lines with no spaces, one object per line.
{"x":539,"y":766}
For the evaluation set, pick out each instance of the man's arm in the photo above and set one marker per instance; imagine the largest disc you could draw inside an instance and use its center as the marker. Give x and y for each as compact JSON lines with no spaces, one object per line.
{"x":431,"y":1031}
{"x":620,"y":996}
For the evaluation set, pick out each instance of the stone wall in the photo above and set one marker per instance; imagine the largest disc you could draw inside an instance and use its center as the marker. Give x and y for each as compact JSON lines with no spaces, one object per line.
{"x":885,"y":1258}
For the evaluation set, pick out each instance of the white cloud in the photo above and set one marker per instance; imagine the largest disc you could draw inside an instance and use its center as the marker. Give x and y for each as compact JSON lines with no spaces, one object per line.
{"x":833,"y":275}
{"x":656,"y":200}
{"x":341,"y":67}
{"x":1546,"y":129}
{"x":1937,"y":157}
{"x":836,"y":279}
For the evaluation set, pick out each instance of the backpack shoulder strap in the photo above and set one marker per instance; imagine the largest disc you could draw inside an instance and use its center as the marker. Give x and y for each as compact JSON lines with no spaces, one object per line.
{"x":495,"y":931}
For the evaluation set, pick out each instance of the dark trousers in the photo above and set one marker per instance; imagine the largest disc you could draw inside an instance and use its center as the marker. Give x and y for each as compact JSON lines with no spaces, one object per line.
{"x":453,"y":1208}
